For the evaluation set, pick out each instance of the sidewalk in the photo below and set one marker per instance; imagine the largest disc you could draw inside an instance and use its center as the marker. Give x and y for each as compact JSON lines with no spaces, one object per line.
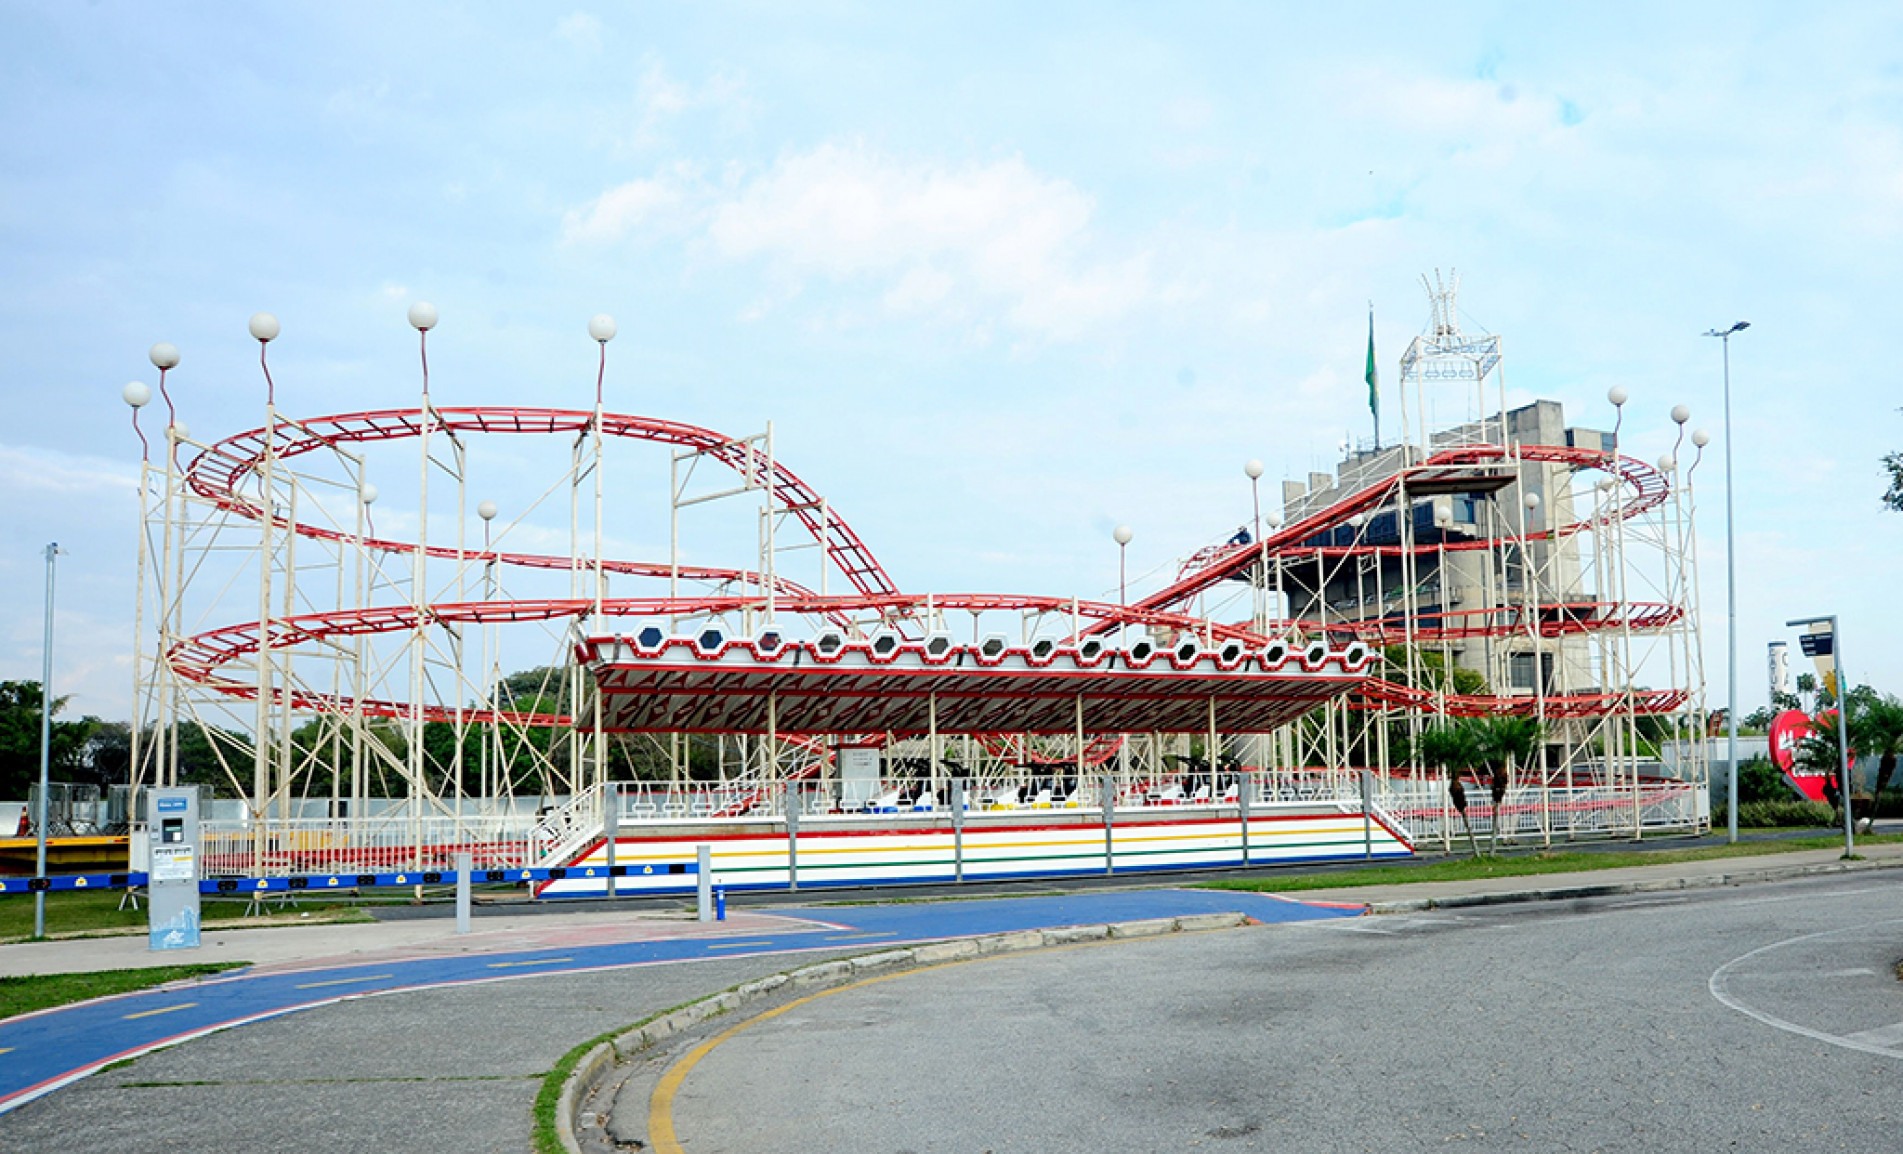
{"x":304,"y":947}
{"x":1595,"y":883}
{"x":283,"y":948}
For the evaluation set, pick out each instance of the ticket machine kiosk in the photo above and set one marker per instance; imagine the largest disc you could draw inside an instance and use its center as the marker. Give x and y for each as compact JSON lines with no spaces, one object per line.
{"x":172,"y":872}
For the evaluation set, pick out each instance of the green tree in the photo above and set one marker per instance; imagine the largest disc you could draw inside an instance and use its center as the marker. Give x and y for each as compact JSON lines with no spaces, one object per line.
{"x":1489,"y":746}
{"x":1432,"y":673}
{"x":1504,"y":743}
{"x":1893,"y":465}
{"x":1759,"y":780}
{"x":1453,"y":748}
{"x":1875,"y":723}
{"x":20,"y":740}
{"x":1877,"y":731}
{"x":1759,"y":720}
{"x":1816,"y":752}
{"x":108,"y":753}
{"x":217,"y":759}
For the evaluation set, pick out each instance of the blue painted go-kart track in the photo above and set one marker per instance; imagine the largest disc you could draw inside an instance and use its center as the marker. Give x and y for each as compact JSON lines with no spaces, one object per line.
{"x":226,"y":886}
{"x":43,"y":1051}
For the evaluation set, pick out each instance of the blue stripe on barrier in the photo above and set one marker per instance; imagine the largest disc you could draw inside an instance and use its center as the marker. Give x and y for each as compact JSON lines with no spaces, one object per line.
{"x":58,"y":882}
{"x":343,"y":881}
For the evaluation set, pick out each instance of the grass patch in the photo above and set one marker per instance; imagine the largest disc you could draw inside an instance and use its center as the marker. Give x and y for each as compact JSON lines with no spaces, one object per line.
{"x":1783,"y":814}
{"x":1528,"y":865}
{"x":548,"y":1140}
{"x":68,"y":911}
{"x":23,"y":995}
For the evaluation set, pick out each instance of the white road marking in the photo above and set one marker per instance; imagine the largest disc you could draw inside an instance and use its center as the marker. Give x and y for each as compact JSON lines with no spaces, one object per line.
{"x":1351,"y":926}
{"x":1720,"y":983}
{"x":1811,"y":897}
{"x":1881,"y":1036}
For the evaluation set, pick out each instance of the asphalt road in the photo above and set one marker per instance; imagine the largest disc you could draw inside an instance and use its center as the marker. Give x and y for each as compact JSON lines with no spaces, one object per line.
{"x":442,"y":1052}
{"x":432,"y":1071}
{"x":1762,"y":1018}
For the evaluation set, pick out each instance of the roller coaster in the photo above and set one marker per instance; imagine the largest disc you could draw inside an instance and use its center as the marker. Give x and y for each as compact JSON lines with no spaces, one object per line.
{"x":342,"y":689}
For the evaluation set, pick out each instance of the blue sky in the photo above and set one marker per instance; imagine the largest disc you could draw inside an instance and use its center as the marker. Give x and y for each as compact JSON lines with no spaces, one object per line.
{"x":1002,"y":276}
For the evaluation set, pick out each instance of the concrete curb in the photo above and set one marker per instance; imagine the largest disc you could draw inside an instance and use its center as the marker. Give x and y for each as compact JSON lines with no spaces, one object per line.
{"x":587,"y":1072}
{"x":1609,"y":889}
{"x":594,"y":1065}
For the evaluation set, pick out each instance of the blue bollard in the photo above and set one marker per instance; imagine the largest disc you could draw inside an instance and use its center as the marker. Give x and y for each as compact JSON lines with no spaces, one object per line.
{"x":720,"y":903}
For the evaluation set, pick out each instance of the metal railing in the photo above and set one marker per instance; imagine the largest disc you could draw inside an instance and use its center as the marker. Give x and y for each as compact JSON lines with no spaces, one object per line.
{"x":1530,"y":814}
{"x":369,"y":845}
{"x":557,"y":835}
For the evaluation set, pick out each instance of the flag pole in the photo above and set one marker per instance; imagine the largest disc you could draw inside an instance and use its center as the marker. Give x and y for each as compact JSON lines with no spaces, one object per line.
{"x":1374,"y":381}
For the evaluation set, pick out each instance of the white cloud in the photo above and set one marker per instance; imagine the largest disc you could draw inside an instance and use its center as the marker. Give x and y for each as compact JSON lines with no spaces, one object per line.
{"x":1440,"y":106}
{"x":581,"y":30}
{"x":628,"y":208}
{"x":660,"y":101}
{"x":967,"y":243}
{"x":918,"y":290}
{"x":842,"y":210}
{"x":25,"y":468}
{"x":360,"y":102}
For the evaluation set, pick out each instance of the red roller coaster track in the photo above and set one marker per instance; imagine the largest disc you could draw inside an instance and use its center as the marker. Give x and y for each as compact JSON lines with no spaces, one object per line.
{"x":219,"y":474}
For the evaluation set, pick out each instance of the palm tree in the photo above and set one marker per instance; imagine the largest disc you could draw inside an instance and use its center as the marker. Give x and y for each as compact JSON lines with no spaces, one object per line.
{"x":1452,"y":747}
{"x":1876,"y":728}
{"x":1503,"y":742}
{"x":1816,"y":753}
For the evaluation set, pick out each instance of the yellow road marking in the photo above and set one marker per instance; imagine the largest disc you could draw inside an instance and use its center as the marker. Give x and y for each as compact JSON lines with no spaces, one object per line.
{"x":345,"y":981}
{"x":165,"y":1010}
{"x":735,"y":945}
{"x":661,"y":1103}
{"x":661,"y":1106}
{"x":6,"y":1050}
{"x":536,"y":962}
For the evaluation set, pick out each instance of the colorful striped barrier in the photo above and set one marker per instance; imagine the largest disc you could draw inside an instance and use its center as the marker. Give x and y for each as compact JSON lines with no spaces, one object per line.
{"x":57,"y":882}
{"x":343,"y":881}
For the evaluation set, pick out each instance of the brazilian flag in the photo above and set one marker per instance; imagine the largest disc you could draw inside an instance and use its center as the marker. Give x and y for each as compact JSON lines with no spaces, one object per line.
{"x":1374,"y":381}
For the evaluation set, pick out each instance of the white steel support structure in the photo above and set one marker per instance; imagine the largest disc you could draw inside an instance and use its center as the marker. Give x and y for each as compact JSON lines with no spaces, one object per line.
{"x":1495,"y":567}
{"x":323,"y":675}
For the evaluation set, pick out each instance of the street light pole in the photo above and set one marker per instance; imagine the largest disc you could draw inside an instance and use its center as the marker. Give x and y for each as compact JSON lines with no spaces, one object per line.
{"x":46,"y":747}
{"x":1259,"y":586}
{"x":1123,"y":536}
{"x":1731,"y":606}
{"x":1253,"y":471}
{"x":1843,"y":720}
